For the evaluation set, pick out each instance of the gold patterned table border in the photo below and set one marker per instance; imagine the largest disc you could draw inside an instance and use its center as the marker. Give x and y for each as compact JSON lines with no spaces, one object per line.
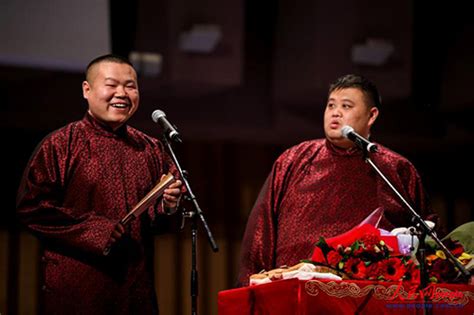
{"x":388,"y":293}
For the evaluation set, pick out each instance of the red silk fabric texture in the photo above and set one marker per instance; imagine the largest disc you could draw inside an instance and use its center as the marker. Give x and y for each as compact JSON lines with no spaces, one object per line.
{"x":316,"y":189}
{"x":80,"y":181}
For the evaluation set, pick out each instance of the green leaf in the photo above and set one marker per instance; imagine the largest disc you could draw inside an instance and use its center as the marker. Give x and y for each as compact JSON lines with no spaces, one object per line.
{"x":465,"y":235}
{"x":355,"y":246}
{"x":323,"y":245}
{"x":433,"y":279}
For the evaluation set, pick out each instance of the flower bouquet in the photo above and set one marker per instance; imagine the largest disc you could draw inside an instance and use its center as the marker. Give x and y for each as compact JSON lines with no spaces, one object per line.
{"x":369,"y":253}
{"x":368,"y":257}
{"x":460,"y":242}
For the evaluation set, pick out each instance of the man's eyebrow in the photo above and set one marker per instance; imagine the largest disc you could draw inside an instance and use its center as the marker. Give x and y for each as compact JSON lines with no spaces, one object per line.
{"x":346,"y":99}
{"x":115,"y":80}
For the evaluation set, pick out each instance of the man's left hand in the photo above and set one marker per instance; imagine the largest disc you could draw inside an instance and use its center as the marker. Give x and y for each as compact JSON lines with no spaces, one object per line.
{"x":172,"y":195}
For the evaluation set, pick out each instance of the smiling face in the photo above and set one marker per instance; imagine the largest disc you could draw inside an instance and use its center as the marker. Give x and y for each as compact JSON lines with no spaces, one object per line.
{"x":111,"y":89}
{"x":348,"y":106}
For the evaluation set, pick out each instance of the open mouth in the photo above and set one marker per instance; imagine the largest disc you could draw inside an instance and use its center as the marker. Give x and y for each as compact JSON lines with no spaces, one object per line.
{"x":121,"y":106}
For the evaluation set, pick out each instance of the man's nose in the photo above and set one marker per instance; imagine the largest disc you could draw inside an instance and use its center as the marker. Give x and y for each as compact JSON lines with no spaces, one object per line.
{"x":121,"y":92}
{"x":336,"y":112}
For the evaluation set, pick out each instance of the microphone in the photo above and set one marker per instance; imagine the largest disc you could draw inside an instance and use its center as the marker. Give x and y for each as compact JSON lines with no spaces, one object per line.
{"x":349,"y":133}
{"x":170,"y":130}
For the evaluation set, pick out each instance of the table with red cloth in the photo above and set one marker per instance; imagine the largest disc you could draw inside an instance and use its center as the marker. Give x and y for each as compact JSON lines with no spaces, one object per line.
{"x":309,"y":297}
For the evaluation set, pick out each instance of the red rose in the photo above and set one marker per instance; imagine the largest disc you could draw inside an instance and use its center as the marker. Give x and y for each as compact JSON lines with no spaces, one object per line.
{"x":370,"y":240}
{"x":374,"y":270}
{"x":334,"y":258}
{"x":454,"y":247}
{"x":457,"y":250}
{"x":443,"y":270}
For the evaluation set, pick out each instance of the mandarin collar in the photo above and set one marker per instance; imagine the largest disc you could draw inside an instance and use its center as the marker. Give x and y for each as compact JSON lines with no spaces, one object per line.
{"x":335,"y":150}
{"x":104,"y":129}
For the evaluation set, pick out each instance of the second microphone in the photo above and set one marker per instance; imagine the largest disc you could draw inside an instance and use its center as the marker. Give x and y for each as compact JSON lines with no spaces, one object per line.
{"x":171,"y":132}
{"x":349,"y":133}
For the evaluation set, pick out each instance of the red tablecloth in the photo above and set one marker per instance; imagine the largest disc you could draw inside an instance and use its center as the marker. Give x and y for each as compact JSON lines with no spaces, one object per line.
{"x":310,"y":297}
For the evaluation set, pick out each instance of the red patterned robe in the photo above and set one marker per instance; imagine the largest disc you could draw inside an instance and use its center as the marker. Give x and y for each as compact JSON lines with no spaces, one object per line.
{"x":316,"y":189}
{"x":80,"y":181}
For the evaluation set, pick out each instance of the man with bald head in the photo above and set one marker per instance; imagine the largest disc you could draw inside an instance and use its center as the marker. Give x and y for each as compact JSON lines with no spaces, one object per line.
{"x":81,"y":180}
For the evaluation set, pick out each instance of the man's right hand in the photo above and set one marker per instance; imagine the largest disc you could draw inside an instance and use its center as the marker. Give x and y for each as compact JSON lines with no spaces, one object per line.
{"x":117,"y":233}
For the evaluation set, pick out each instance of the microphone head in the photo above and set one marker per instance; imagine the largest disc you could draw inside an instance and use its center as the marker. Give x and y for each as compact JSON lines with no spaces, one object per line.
{"x":157,"y":114}
{"x":346,"y":130}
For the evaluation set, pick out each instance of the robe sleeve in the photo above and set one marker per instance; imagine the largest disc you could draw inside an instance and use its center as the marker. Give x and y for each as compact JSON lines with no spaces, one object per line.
{"x":418,"y":193}
{"x":413,"y":186}
{"x":40,"y":205}
{"x":406,"y":179}
{"x":421,"y":200}
{"x":259,"y":241}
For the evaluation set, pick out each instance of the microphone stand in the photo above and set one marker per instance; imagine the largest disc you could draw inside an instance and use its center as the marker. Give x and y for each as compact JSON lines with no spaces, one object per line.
{"x":423,"y":230}
{"x":193,"y":215}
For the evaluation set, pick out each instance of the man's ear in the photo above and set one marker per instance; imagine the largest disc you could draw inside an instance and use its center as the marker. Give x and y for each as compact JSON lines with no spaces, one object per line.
{"x":373,"y":114}
{"x":85,"y":89}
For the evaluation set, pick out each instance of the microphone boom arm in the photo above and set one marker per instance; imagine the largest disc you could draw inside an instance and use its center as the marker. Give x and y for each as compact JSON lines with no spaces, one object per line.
{"x":192,"y":197}
{"x":193,"y":215}
{"x":425,"y":229}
